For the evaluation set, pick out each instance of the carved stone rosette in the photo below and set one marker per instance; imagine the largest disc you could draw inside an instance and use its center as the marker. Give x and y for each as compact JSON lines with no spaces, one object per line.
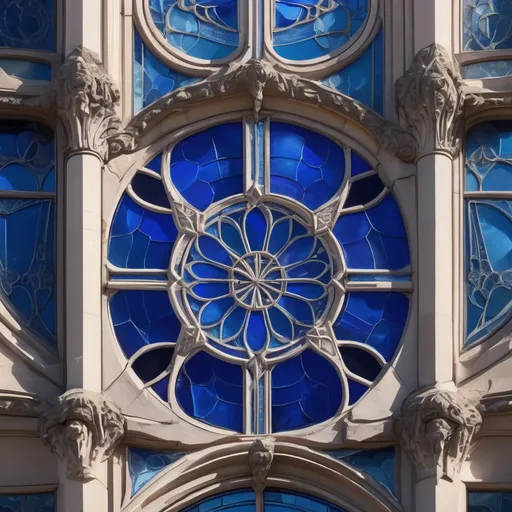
{"x":261,"y":456}
{"x":430,"y":101}
{"x":83,"y":429}
{"x":437,"y":428}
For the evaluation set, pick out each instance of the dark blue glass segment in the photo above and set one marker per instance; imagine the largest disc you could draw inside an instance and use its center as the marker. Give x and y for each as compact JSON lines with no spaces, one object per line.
{"x":141,"y":238}
{"x":490,"y":69}
{"x":212,"y":391}
{"x":489,"y":501}
{"x":142,"y":318}
{"x":306,"y":390}
{"x":361,"y":362}
{"x":27,"y":24}
{"x":308,"y":29}
{"x":376,"y":319}
{"x":304,"y":165}
{"x":243,"y":500}
{"x":364,"y":191}
{"x":363,"y":80}
{"x":152,"y":79}
{"x":206,"y":29}
{"x":356,"y":390}
{"x":27,"y":502}
{"x":150,"y":190}
{"x":26,"y":69}
{"x":208,"y":166}
{"x":27,"y":260}
{"x":287,"y":501}
{"x":153,"y":363}
{"x":27,"y":156}
{"x":375,"y":238}
{"x":144,"y":465}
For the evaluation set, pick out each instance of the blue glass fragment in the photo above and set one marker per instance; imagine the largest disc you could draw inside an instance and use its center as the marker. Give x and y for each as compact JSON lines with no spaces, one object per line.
{"x":489,"y":501}
{"x":27,"y":502}
{"x":490,"y":69}
{"x":364,"y":191}
{"x":360,"y":362}
{"x":26,"y":69}
{"x":243,"y":500}
{"x":153,"y":363}
{"x":288,"y":501}
{"x":150,"y":190}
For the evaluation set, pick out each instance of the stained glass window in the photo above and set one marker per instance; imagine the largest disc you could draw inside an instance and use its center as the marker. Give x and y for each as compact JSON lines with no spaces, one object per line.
{"x":248,"y":279}
{"x":26,"y":70}
{"x":491,"y":69}
{"x":28,"y":502}
{"x":489,"y":502}
{"x":488,"y":266}
{"x":27,"y":225}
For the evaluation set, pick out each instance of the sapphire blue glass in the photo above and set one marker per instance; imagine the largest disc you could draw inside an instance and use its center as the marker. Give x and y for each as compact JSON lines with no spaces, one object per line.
{"x":153,"y":363}
{"x":306,"y":390}
{"x":304,"y":165}
{"x":375,"y":238}
{"x":27,"y":502}
{"x":144,"y":465}
{"x":491,"y":69}
{"x":361,"y":362}
{"x":27,"y":24}
{"x":487,"y":25}
{"x":142,"y":318}
{"x":26,"y":69}
{"x":212,"y":391}
{"x":150,"y":190}
{"x":308,"y":29}
{"x":363,"y":191}
{"x":363,"y":79}
{"x":375,"y":319}
{"x":151,"y":78}
{"x":489,"y":502}
{"x":206,"y":29}
{"x":243,"y":500}
{"x":208,"y":166}
{"x":288,"y":501}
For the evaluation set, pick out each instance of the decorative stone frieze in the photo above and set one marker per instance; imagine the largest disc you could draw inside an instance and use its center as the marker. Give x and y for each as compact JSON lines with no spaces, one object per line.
{"x":261,"y":456}
{"x":437,"y":428}
{"x":83,"y":429}
{"x":430,"y":101}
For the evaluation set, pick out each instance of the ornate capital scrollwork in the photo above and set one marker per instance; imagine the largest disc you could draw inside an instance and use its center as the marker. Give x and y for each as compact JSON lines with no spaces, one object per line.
{"x":86,"y":102}
{"x":261,"y":456}
{"x":430,"y":101}
{"x":83,"y":429}
{"x":437,"y":428}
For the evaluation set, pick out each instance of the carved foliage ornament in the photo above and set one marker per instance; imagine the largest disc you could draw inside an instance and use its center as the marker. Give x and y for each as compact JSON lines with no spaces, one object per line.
{"x":261,"y":456}
{"x":437,"y":428}
{"x":83,"y":429}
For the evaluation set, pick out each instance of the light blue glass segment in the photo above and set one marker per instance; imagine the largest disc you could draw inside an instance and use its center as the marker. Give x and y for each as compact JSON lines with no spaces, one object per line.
{"x":308,"y":29}
{"x":206,"y":29}
{"x":363,"y":80}
{"x":26,"y":69}
{"x":379,"y":463}
{"x":27,"y":24}
{"x":374,"y":319}
{"x":208,"y":166}
{"x":487,"y":25}
{"x":304,"y":165}
{"x":288,"y":501}
{"x":212,"y":391}
{"x":489,"y":502}
{"x":375,"y":238}
{"x":305,"y":390}
{"x":27,"y":503}
{"x":490,"y":69}
{"x":151,"y":78}
{"x":144,"y":465}
{"x":243,"y":500}
{"x":142,"y":318}
{"x":27,"y":157}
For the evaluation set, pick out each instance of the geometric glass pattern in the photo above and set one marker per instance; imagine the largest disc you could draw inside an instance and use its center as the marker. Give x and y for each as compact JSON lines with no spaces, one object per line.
{"x":27,"y":503}
{"x":488,"y":233}
{"x":27,"y":225}
{"x":489,"y":501}
{"x":229,"y":279}
{"x":205,"y":29}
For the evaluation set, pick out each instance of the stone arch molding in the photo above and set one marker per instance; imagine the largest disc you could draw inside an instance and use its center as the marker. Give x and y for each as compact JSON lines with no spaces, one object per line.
{"x":259,"y":464}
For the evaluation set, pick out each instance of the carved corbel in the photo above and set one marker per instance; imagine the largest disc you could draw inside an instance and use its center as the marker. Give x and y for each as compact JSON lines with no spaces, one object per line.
{"x":83,"y":429}
{"x":430,"y":101}
{"x":261,"y":456}
{"x":437,"y":428}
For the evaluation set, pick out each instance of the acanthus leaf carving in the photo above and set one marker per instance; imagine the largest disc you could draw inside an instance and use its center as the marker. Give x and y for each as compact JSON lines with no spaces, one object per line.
{"x":437,"y":428}
{"x":83,"y":429}
{"x":261,"y":456}
{"x":430,"y":101}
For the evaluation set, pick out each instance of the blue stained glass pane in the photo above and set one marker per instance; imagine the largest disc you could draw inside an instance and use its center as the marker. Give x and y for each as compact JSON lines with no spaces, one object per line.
{"x":288,"y":501}
{"x":491,"y":69}
{"x":363,"y":79}
{"x":304,"y":165}
{"x":27,"y":156}
{"x":305,"y":390}
{"x":208,"y":166}
{"x":27,"y":24}
{"x":243,"y":500}
{"x":144,"y":465}
{"x":153,"y":363}
{"x":150,"y":190}
{"x":361,"y":362}
{"x":151,"y":78}
{"x":26,"y":69}
{"x":155,"y":164}
{"x":206,"y":29}
{"x":356,"y":390}
{"x":489,"y":502}
{"x":375,"y":319}
{"x":308,"y":29}
{"x":487,"y":25}
{"x":212,"y":391}
{"x":364,"y":191}
{"x":141,"y":318}
{"x":27,"y":502}
{"x":141,"y":238}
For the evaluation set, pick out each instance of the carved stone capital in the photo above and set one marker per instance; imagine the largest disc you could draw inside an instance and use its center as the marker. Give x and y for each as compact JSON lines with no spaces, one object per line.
{"x":437,"y":428}
{"x":86,"y":103}
{"x":430,"y":101}
{"x":82,"y":428}
{"x":261,"y":456}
